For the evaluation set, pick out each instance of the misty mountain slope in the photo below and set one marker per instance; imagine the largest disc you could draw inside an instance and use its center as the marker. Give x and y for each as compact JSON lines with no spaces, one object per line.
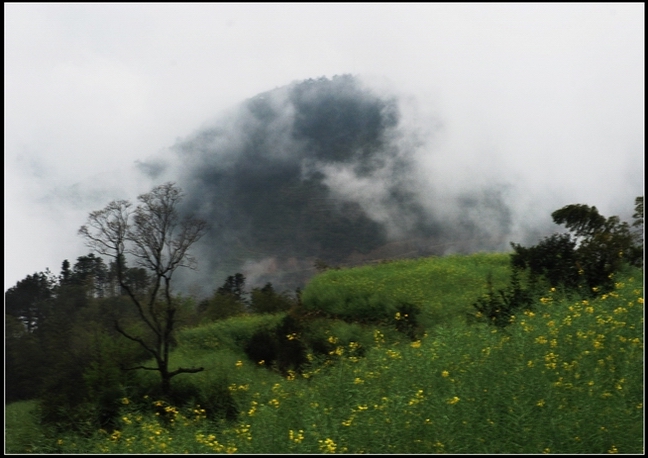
{"x":315,"y":169}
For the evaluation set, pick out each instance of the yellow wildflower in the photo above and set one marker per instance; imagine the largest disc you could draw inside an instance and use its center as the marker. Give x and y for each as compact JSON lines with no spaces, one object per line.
{"x":327,"y":445}
{"x":296,"y":436}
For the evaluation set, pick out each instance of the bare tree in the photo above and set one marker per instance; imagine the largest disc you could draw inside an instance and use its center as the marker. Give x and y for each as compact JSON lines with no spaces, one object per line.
{"x":158,"y":239}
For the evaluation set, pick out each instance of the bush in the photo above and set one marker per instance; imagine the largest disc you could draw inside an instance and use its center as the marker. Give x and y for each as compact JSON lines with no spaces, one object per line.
{"x":220,"y":307}
{"x":406,"y":320}
{"x":267,"y":300}
{"x":281,"y":348}
{"x":589,"y":256}
{"x":554,"y":258}
{"x":499,"y":308}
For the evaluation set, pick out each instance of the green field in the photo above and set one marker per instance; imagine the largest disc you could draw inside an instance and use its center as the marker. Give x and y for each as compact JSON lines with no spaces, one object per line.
{"x":565,"y":377}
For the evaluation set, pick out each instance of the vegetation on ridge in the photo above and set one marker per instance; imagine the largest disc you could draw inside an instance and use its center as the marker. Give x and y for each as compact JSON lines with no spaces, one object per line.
{"x":377,"y":359}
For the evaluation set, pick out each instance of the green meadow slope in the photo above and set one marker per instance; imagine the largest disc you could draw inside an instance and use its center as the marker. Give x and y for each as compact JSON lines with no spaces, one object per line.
{"x":564,"y":377}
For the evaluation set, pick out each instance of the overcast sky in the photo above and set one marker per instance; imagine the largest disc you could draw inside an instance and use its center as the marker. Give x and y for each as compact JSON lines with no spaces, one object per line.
{"x":552,"y":95}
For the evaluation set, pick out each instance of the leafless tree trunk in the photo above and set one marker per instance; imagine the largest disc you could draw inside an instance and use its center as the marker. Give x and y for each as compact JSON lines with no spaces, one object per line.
{"x":159,"y":240}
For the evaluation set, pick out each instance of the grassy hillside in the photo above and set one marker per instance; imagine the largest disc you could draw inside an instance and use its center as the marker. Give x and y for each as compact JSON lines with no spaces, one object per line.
{"x":565,"y":377}
{"x":444,"y":287}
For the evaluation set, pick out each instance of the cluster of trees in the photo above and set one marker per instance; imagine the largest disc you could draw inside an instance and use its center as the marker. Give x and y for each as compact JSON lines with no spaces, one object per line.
{"x":60,"y":345}
{"x":52,"y":322}
{"x":582,"y":261}
{"x":231,"y":299}
{"x":76,"y":338}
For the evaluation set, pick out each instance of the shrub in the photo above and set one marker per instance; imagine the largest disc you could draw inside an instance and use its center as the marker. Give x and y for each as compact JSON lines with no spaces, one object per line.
{"x":280,"y":347}
{"x":554,"y":258}
{"x":267,"y":300}
{"x":499,"y":308}
{"x":590,"y":255}
{"x":406,"y":320}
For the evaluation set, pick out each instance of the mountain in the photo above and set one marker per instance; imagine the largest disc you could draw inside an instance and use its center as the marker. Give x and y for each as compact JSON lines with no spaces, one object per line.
{"x":319,"y":169}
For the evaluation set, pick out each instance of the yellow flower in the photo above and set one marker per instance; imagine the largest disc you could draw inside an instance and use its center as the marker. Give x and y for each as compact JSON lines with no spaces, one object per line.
{"x":393,"y":354}
{"x":445,"y":374}
{"x":125,"y":401}
{"x":613,"y":449}
{"x":540,"y":403}
{"x":453,"y":400}
{"x":296,"y":436}
{"x":239,"y":363}
{"x":327,"y":445}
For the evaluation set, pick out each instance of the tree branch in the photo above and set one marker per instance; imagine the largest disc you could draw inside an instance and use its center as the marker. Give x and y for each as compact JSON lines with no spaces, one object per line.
{"x":183,"y":370}
{"x":136,"y":339}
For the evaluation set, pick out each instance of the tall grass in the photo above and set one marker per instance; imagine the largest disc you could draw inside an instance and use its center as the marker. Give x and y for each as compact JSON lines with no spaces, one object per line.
{"x":566,"y":377}
{"x":444,"y":287}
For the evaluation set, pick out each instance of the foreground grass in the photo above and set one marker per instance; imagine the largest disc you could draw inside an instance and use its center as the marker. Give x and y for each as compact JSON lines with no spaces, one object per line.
{"x":22,"y":433}
{"x":566,"y":377}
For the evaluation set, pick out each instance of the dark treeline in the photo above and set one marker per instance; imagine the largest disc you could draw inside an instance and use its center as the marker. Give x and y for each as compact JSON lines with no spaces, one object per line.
{"x":57,"y":326}
{"x":61,"y":342}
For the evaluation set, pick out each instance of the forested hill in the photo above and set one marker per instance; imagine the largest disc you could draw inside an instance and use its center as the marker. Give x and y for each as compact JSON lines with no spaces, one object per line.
{"x":319,"y":169}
